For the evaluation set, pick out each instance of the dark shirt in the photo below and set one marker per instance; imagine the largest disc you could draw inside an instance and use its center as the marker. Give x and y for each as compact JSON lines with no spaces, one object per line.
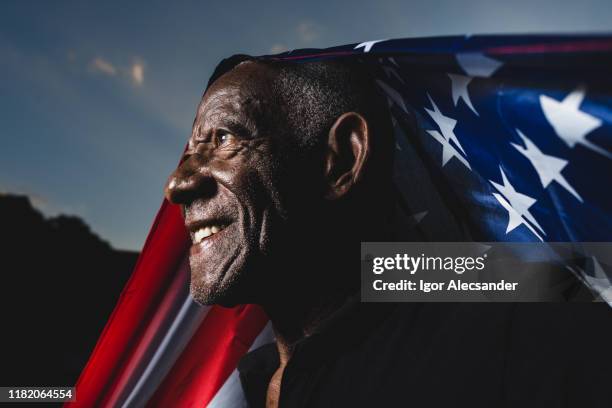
{"x":445,"y":355}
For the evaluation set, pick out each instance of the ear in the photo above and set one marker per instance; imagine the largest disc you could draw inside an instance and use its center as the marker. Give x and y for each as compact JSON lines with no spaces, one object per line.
{"x":348,"y":149}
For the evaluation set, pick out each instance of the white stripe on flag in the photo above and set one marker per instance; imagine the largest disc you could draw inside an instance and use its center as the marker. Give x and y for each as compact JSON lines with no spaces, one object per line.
{"x":180,"y":332}
{"x":231,"y":394}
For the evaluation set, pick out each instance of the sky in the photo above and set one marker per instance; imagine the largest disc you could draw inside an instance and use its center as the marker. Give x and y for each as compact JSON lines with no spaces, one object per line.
{"x":97,"y":98}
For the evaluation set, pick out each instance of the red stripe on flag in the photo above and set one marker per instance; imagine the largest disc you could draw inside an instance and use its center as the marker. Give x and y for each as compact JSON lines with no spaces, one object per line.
{"x":210,"y":357}
{"x":571,"y":46}
{"x":143,"y":351}
{"x":161,"y":256}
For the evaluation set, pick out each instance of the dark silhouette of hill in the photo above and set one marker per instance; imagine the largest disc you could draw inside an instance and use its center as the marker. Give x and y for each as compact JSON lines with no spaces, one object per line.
{"x":59,"y":285}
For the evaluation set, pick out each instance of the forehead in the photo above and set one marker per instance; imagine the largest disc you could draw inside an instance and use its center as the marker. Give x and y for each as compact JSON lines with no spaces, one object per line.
{"x":243,"y":93}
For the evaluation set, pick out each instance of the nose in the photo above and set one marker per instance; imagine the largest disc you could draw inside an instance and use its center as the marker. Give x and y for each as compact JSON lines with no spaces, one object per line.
{"x":191,"y":179}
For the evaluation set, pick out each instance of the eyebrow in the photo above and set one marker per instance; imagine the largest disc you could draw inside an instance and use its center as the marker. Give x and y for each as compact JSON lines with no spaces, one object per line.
{"x":240,"y":128}
{"x":236,"y":123}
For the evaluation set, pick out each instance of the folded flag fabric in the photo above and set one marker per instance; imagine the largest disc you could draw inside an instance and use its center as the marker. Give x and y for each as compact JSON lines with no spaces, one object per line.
{"x":498,"y":138}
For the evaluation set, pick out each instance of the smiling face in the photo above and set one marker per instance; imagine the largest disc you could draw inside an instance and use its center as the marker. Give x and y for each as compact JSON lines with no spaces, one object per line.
{"x":278,"y":180}
{"x":231,"y":185}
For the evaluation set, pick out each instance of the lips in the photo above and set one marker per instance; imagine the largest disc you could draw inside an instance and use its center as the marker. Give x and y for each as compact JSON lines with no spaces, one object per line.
{"x":204,"y":232}
{"x":205,"y":229}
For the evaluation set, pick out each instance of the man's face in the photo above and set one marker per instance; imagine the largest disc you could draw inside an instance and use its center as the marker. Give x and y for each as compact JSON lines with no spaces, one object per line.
{"x":230,"y":184}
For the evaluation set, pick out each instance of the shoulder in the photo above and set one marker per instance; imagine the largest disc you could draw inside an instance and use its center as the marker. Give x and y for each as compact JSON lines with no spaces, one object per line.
{"x":524,"y":354}
{"x":562,"y":326}
{"x":558,"y":354}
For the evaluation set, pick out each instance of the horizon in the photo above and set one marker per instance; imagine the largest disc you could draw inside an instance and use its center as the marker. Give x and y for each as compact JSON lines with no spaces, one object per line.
{"x":50,"y":219}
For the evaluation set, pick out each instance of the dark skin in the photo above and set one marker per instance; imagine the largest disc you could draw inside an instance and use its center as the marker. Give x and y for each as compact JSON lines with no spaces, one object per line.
{"x":287,"y":224}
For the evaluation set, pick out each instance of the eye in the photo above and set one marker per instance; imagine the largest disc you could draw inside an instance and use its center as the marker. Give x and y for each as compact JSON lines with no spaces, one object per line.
{"x":185,"y":157}
{"x":223,"y":137}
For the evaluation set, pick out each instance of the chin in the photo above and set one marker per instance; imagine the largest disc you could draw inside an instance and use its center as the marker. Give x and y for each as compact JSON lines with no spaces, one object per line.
{"x":210,"y":289}
{"x":224,"y":288}
{"x":209,"y":298}
{"x":204,"y":295}
{"x":230,"y":269}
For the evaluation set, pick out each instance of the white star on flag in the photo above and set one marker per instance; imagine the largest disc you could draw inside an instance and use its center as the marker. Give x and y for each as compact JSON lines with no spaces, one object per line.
{"x":477,"y":65}
{"x":448,"y":151}
{"x":459,"y":85}
{"x":367,"y":45}
{"x":418,"y":217}
{"x":391,"y":72}
{"x":600,"y":281}
{"x":597,"y":280}
{"x":548,"y":167}
{"x":474,"y":65}
{"x":393,"y":95}
{"x":397,"y":128}
{"x":517,"y":205}
{"x":446,"y":124}
{"x":570,"y":123}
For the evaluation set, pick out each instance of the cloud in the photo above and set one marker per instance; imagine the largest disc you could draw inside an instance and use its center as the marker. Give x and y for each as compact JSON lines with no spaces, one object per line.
{"x":308,"y":31}
{"x":102,"y":66}
{"x":276,"y":48}
{"x":136,"y":72}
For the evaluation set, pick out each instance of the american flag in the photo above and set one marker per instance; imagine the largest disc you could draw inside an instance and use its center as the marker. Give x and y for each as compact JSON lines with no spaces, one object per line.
{"x":498,"y":138}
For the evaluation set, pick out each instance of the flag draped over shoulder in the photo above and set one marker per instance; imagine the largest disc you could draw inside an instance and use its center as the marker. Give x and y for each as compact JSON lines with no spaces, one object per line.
{"x":498,"y":138}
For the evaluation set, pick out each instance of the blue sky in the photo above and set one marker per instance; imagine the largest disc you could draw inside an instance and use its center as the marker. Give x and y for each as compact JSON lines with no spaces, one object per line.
{"x":97,"y":98}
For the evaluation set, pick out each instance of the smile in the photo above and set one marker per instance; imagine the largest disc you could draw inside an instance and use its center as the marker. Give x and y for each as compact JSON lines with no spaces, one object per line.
{"x":202,"y":233}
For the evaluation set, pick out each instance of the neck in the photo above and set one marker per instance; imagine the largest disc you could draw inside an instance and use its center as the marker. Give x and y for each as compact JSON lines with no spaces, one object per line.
{"x":311,"y":286}
{"x":296,"y":318}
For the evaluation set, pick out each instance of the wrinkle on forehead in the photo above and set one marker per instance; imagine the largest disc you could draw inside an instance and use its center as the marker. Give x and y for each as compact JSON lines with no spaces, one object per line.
{"x":242,"y":95}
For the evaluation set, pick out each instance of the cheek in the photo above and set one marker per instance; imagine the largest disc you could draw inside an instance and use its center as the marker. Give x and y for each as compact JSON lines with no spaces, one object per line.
{"x":253,"y":174}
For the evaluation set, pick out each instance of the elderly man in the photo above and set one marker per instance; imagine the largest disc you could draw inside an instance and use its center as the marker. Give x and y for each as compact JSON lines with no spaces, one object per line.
{"x":287,"y":170}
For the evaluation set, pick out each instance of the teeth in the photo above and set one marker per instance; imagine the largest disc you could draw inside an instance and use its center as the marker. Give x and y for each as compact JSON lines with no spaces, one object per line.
{"x":205,"y":232}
